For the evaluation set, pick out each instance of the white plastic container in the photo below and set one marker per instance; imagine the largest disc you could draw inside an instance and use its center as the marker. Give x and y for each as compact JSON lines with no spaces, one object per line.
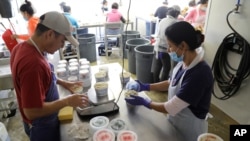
{"x":85,"y":63}
{"x":72,"y":60}
{"x":74,"y":64}
{"x":127,"y":134}
{"x":82,"y":60}
{"x":100,"y":77}
{"x":117,"y":125}
{"x":61,"y":66}
{"x":4,"y":136}
{"x":85,"y":67}
{"x":101,"y":88}
{"x":105,"y":69}
{"x":209,"y":137}
{"x":124,"y":78}
{"x":104,"y":135}
{"x":73,"y":70}
{"x":62,"y":62}
{"x":61,"y":72}
{"x":97,"y":123}
{"x":84,"y":76}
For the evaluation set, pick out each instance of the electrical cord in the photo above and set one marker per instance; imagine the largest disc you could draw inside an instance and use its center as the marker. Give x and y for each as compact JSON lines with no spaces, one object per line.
{"x":228,"y":78}
{"x":123,"y":57}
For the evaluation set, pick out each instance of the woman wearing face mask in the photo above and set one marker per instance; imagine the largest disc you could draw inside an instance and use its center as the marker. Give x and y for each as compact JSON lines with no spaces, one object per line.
{"x":27,"y":12}
{"x":197,"y":16}
{"x":189,"y":88}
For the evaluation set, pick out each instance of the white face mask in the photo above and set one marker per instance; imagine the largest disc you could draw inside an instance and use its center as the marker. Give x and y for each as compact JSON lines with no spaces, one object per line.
{"x":204,"y":8}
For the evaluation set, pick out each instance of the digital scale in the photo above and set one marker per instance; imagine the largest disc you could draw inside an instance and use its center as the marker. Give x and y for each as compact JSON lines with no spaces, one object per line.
{"x":99,"y":105}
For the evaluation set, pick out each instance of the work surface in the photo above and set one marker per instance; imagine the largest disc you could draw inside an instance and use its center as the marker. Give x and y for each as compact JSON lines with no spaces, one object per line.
{"x":148,"y":124}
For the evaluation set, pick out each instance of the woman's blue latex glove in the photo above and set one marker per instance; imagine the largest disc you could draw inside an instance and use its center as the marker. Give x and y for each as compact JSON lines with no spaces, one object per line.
{"x":137,"y":86}
{"x":137,"y":101}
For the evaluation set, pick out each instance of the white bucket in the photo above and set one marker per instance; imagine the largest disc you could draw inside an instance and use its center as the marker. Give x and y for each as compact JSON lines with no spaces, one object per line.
{"x":3,"y":133}
{"x":209,"y":137}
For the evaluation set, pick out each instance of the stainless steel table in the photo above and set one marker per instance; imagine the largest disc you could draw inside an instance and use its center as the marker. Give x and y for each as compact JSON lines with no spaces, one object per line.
{"x":148,"y":124}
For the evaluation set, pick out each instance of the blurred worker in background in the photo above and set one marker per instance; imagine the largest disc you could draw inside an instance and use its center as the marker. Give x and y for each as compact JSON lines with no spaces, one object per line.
{"x":27,"y":12}
{"x":197,"y":15}
{"x":161,"y":65}
{"x":72,"y":20}
{"x":104,"y":7}
{"x":189,"y":88}
{"x":161,"y":11}
{"x":114,"y":15}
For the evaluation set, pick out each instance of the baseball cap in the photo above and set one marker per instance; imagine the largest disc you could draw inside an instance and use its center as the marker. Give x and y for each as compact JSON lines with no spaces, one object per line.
{"x":59,"y":23}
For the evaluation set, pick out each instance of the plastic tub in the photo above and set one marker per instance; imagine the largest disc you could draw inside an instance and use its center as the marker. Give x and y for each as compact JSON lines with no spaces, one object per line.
{"x":97,"y":123}
{"x":127,"y":35}
{"x":131,"y":44}
{"x":87,"y":46}
{"x":144,"y":58}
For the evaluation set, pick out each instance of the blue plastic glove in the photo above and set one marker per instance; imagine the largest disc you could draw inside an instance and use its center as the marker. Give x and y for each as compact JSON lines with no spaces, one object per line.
{"x":137,"y":101}
{"x":137,"y":86}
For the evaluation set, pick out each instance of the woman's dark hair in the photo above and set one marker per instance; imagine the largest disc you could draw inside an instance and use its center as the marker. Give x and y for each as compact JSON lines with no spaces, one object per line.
{"x":115,"y":5}
{"x":203,"y":1}
{"x":191,"y":3}
{"x":184,"y":31}
{"x":174,"y":12}
{"x":27,"y":8}
{"x":104,"y":2}
{"x":66,"y":8}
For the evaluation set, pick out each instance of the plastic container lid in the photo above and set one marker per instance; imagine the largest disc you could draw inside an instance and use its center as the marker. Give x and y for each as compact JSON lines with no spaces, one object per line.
{"x":127,"y":135}
{"x":99,"y":122}
{"x":85,"y":62}
{"x":62,"y":62}
{"x":73,"y":64}
{"x":117,"y":125}
{"x":61,"y":66}
{"x":72,"y":60}
{"x":104,"y":135}
{"x":209,"y":137}
{"x":61,"y":72}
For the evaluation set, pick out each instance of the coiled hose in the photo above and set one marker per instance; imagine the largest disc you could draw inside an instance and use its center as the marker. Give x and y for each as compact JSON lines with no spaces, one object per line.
{"x":228,"y":78}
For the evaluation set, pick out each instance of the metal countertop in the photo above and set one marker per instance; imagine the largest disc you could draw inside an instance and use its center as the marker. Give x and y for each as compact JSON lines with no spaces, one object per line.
{"x":148,"y":124}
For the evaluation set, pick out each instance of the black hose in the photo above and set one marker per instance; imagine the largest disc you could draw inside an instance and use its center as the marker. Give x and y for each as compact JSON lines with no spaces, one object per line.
{"x":228,"y":78}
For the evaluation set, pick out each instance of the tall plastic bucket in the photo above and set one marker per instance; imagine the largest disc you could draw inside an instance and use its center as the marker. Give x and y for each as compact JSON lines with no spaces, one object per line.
{"x":87,"y":46}
{"x":131,"y":44}
{"x":127,"y":35}
{"x":144,"y":58}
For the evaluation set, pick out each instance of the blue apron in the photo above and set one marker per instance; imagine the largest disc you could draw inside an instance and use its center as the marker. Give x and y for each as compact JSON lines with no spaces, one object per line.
{"x":46,"y":128}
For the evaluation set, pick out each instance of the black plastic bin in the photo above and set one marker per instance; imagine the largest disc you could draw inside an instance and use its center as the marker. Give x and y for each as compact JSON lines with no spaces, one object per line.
{"x":127,"y":35}
{"x":87,"y":46}
{"x":131,"y":44}
{"x":144,"y":58}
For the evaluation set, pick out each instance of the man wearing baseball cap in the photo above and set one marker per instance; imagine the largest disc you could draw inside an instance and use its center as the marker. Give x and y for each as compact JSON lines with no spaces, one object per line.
{"x":36,"y":84}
